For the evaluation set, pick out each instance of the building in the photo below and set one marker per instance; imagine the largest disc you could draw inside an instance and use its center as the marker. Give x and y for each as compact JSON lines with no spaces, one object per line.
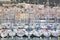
{"x":17,"y":0}
{"x":5,"y":0}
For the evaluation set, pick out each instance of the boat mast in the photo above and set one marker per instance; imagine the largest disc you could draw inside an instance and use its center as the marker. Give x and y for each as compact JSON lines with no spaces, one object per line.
{"x":56,"y":20}
{"x":28,"y":1}
{"x":47,"y":12}
{"x":15,"y":18}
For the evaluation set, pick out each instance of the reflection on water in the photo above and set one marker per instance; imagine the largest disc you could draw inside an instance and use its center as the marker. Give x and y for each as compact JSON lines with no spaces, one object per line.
{"x":18,"y":38}
{"x":54,"y":38}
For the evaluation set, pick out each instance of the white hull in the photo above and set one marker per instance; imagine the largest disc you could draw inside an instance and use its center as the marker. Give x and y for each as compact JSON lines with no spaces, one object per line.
{"x":36,"y":33}
{"x":20,"y":32}
{"x":40,"y":32}
{"x":11,"y":33}
{"x":4,"y":35}
{"x":28,"y":33}
{"x":55,"y":33}
{"x":15,"y":30}
{"x":46,"y":34}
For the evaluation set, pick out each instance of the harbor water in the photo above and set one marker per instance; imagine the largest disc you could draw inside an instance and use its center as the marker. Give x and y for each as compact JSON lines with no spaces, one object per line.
{"x":18,"y":38}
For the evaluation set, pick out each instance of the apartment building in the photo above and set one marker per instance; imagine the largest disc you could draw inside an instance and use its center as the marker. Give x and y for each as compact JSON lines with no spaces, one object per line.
{"x":5,"y":0}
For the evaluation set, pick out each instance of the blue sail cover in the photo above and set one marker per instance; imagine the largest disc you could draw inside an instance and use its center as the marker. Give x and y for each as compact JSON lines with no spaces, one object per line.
{"x":29,"y":29}
{"x":55,"y":27}
{"x":49,"y":27}
{"x":38,"y":27}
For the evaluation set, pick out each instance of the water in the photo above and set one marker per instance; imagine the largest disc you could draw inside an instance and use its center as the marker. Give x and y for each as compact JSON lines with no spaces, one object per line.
{"x":18,"y":38}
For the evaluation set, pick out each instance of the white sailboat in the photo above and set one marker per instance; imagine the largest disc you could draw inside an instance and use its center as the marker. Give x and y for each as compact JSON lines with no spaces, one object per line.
{"x":55,"y":33}
{"x":46,"y":33}
{"x":4,"y":33}
{"x":28,"y":32}
{"x":12,"y":33}
{"x":35,"y":33}
{"x":40,"y":32}
{"x":59,"y":32}
{"x":20,"y":32}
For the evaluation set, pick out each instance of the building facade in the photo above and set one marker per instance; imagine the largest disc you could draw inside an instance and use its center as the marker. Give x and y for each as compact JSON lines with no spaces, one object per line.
{"x":5,"y":0}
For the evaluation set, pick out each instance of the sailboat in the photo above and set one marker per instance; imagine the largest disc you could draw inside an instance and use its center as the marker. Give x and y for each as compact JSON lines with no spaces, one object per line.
{"x":47,"y":34}
{"x":40,"y":32}
{"x":35,"y":33}
{"x":58,"y":28}
{"x":4,"y":33}
{"x":35,"y":30}
{"x":12,"y":33}
{"x":28,"y":32}
{"x":20,"y":32}
{"x":55,"y":33}
{"x":47,"y":27}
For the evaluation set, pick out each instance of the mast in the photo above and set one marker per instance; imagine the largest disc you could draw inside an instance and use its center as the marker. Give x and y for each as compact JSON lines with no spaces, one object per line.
{"x":28,"y":1}
{"x":47,"y":11}
{"x":15,"y":18}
